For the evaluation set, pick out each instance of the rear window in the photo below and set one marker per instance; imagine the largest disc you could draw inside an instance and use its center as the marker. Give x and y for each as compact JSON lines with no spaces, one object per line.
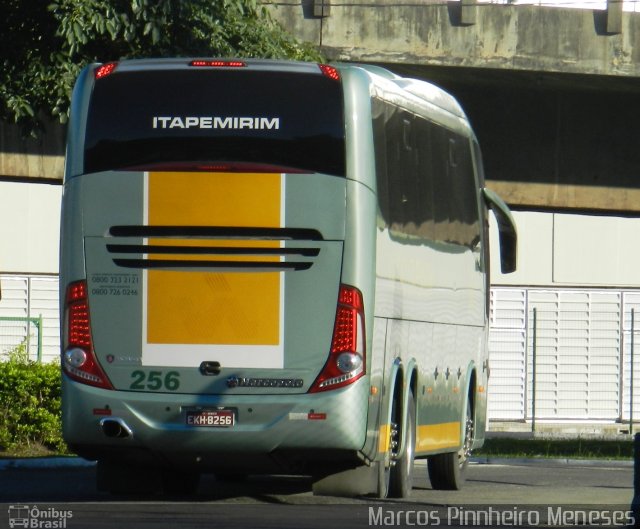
{"x":206,"y":116}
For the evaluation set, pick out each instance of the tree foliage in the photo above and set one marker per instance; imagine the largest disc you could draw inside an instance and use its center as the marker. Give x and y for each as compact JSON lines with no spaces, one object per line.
{"x":45,"y":43}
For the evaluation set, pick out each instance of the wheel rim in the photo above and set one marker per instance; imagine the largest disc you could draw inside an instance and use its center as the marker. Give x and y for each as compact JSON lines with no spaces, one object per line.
{"x":465,"y":452}
{"x":409,"y":447}
{"x":394,"y":443}
{"x":401,"y":467}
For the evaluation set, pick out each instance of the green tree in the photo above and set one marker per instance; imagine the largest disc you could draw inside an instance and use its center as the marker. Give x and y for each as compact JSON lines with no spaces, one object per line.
{"x":45,"y":44}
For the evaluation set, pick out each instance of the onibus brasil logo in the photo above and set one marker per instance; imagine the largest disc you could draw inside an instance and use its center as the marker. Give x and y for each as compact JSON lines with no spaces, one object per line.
{"x":37,"y":518}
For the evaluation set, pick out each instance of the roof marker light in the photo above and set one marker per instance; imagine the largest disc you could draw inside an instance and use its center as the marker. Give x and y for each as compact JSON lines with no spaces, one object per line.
{"x":330,"y":71}
{"x":218,"y":64}
{"x":105,"y":69}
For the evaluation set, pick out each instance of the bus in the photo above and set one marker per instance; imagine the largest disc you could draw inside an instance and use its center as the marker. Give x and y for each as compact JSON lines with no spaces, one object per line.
{"x":273,"y":267}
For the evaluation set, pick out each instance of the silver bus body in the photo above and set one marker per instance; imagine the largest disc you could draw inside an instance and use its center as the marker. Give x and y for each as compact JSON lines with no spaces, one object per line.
{"x":274,"y":267}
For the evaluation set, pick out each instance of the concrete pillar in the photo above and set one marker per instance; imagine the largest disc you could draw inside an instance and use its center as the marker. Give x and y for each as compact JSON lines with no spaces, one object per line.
{"x":468,"y":12}
{"x":614,"y":16}
{"x":321,"y":8}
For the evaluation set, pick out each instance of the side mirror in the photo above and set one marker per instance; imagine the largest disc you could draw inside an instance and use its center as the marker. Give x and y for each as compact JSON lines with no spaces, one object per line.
{"x":506,"y":229}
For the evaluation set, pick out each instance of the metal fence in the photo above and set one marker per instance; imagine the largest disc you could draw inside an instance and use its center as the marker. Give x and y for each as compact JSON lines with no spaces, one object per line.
{"x":29,"y":316}
{"x":21,"y":335}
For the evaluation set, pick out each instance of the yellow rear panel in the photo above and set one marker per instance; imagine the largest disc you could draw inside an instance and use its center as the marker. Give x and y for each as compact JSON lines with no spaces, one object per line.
{"x":190,"y":315}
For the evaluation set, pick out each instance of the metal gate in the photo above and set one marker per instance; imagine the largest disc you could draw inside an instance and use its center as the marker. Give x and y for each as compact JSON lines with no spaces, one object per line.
{"x":508,"y":354}
{"x":28,"y":303}
{"x":576,"y":354}
{"x":563,"y":354}
{"x":630,"y":393}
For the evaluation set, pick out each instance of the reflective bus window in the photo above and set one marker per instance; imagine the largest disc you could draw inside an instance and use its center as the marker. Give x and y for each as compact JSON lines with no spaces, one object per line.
{"x":145,"y":119}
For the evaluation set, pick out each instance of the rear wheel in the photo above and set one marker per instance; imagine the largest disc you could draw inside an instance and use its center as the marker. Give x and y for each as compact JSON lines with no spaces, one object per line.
{"x":448,"y":471}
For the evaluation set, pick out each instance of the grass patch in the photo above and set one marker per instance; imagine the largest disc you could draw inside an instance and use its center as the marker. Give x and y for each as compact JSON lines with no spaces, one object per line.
{"x":557,"y":448}
{"x":32,"y":449}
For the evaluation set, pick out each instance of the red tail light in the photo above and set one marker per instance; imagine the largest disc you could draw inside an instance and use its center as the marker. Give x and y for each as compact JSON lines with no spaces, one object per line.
{"x":78,"y":358}
{"x":330,"y":71}
{"x":346,"y":362}
{"x":105,"y":69}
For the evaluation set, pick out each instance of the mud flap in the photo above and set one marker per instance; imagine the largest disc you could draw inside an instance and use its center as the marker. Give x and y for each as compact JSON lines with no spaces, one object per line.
{"x":359,"y":481}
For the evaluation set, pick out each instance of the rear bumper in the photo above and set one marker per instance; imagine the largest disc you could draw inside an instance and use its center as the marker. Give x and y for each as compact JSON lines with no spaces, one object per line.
{"x":270,"y":431}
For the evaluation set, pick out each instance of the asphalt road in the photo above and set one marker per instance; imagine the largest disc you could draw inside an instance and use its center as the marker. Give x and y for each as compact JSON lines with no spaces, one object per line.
{"x":495,"y":495}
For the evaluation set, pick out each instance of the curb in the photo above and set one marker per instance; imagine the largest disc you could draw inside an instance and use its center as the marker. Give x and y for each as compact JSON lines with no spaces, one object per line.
{"x":45,"y":463}
{"x":552,"y":462}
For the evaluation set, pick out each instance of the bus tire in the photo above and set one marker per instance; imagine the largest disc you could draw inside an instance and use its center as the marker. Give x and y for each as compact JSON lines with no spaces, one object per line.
{"x":448,"y":471}
{"x":401,"y":478}
{"x":384,"y":475}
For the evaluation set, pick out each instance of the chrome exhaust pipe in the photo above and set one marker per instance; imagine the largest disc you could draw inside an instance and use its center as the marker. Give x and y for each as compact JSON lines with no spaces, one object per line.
{"x":115,"y":428}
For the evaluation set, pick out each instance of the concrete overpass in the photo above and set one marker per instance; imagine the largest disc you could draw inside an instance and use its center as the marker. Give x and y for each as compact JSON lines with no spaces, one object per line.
{"x":552,"y":93}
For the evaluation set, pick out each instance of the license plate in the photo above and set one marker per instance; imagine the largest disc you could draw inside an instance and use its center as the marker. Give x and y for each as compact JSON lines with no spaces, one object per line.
{"x":211,"y":418}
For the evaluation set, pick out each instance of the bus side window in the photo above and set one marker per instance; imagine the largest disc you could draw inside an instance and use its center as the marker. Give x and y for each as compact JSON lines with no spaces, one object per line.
{"x":464,"y":228}
{"x":379,"y":117}
{"x":425,"y":180}
{"x":441,"y":182}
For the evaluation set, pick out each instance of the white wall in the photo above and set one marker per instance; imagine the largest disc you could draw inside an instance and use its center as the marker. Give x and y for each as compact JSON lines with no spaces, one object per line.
{"x":554,"y":249}
{"x":29,"y":228}
{"x":557,"y":249}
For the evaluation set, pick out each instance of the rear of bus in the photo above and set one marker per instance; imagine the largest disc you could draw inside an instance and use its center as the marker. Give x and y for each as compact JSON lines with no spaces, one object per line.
{"x":206,"y":323}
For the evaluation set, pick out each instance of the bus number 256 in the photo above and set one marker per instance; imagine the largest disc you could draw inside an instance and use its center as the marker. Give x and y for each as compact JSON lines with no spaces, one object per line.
{"x":155,"y":381}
